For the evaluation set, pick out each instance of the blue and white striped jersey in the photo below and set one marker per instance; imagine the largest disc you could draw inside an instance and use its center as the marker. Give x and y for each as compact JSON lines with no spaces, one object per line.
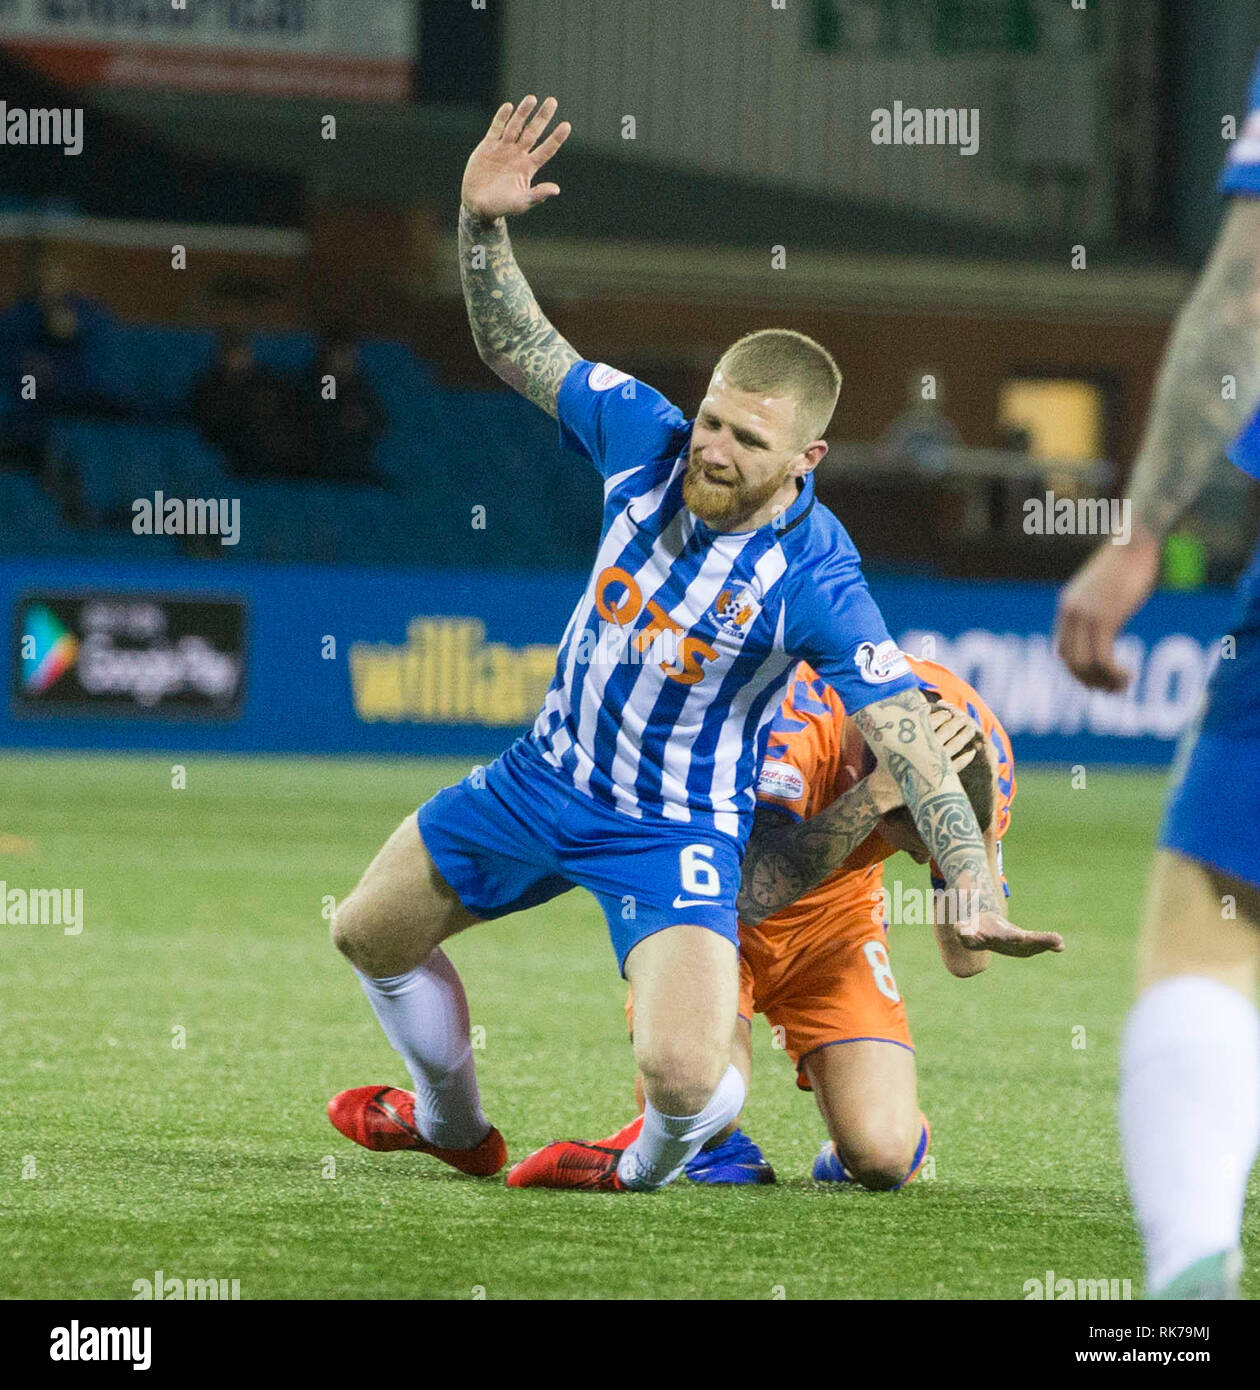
{"x":680,"y":650}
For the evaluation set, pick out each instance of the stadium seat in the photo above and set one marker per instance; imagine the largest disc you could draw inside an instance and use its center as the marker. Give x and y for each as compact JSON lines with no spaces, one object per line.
{"x":153,"y":368}
{"x":121,"y":461}
{"x":34,"y":526}
{"x":444,"y":453}
{"x":284,"y":352}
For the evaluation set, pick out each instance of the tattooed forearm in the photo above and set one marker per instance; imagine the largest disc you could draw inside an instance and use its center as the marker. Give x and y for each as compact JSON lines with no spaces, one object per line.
{"x":900,"y":732}
{"x":514,"y":338}
{"x":1194,"y":416}
{"x":785,"y":859}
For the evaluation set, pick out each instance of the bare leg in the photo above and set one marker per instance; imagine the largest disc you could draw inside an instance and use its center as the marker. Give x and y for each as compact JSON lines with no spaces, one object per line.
{"x":389,"y":929}
{"x":686,"y":992}
{"x":401,"y":909}
{"x":1190,"y":1076}
{"x":741,"y":1059}
{"x":1191,"y":927}
{"x":867,"y":1094}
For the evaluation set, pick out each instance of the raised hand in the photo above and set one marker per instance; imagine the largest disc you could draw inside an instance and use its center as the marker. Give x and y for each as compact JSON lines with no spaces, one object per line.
{"x":499,"y":176}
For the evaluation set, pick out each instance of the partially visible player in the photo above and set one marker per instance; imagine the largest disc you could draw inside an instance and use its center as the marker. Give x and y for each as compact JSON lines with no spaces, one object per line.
{"x":813,"y":937}
{"x":1190,"y":1070}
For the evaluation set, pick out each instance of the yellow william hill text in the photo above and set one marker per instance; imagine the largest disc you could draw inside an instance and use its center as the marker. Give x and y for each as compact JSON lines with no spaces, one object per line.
{"x":447,"y":673}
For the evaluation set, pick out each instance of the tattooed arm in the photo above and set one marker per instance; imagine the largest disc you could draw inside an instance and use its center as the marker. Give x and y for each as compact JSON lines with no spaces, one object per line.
{"x":514,"y":338}
{"x":900,"y":732}
{"x":960,"y":959}
{"x":1193,"y":419}
{"x":1217,"y":335}
{"x":786,"y":858}
{"x":901,"y":735}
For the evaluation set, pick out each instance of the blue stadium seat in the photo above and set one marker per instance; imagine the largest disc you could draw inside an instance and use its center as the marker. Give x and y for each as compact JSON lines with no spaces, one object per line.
{"x":121,"y":461}
{"x":445,"y":452}
{"x":33,"y":526}
{"x":154,"y":368}
{"x":284,"y":352}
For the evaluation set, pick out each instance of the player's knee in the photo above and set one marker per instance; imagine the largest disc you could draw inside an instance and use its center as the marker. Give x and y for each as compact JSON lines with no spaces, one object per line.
{"x":375,"y":943}
{"x":350,"y":929}
{"x":878,"y":1162}
{"x":680,"y":1080}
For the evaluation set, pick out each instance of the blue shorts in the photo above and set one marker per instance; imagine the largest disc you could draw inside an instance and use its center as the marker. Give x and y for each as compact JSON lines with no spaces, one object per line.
{"x":1213,"y":812}
{"x":518,"y":833}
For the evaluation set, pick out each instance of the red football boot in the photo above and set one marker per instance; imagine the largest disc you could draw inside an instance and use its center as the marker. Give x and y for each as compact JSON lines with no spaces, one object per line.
{"x":383,"y":1118}
{"x":575,"y":1164}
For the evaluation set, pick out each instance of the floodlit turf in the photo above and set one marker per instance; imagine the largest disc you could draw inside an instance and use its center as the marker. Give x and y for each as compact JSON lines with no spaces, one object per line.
{"x":122,"y":1153}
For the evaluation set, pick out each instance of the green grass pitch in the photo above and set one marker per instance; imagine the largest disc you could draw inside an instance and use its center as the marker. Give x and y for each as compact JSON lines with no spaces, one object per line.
{"x":122,"y":1153}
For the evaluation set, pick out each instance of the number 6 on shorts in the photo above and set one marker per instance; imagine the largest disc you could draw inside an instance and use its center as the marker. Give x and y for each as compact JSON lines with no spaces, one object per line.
{"x":698,"y":875}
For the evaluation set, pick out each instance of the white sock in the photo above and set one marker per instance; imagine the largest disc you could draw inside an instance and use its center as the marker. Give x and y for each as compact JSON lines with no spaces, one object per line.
{"x":425,"y":1017}
{"x":666,"y":1142}
{"x":1189,"y":1118}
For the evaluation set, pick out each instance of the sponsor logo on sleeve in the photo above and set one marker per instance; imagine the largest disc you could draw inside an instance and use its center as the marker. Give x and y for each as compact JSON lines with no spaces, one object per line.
{"x":781,"y":780}
{"x":877,"y":665}
{"x":603,"y":377}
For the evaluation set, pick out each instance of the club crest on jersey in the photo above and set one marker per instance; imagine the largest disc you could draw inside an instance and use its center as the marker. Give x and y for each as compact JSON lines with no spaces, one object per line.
{"x":877,"y":665}
{"x":733,"y":610}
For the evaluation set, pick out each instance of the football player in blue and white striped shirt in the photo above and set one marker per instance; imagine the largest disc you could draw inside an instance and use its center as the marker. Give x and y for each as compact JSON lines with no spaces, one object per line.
{"x":716,"y":572}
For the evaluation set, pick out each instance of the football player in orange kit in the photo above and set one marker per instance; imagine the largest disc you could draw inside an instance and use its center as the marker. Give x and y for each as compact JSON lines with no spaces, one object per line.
{"x":813,"y":948}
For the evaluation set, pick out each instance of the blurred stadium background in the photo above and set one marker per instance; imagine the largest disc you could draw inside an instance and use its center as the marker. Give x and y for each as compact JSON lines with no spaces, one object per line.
{"x":307,"y":158}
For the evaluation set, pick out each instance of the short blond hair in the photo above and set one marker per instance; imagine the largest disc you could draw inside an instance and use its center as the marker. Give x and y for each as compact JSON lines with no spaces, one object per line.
{"x":783,"y":362}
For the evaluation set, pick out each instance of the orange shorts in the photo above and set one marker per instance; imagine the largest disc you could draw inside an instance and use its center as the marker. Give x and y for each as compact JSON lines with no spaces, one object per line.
{"x":822,"y":984}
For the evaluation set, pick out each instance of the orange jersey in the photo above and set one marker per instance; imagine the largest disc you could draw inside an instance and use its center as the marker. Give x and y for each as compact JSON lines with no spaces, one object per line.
{"x":819,"y":969}
{"x":816,"y":753}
